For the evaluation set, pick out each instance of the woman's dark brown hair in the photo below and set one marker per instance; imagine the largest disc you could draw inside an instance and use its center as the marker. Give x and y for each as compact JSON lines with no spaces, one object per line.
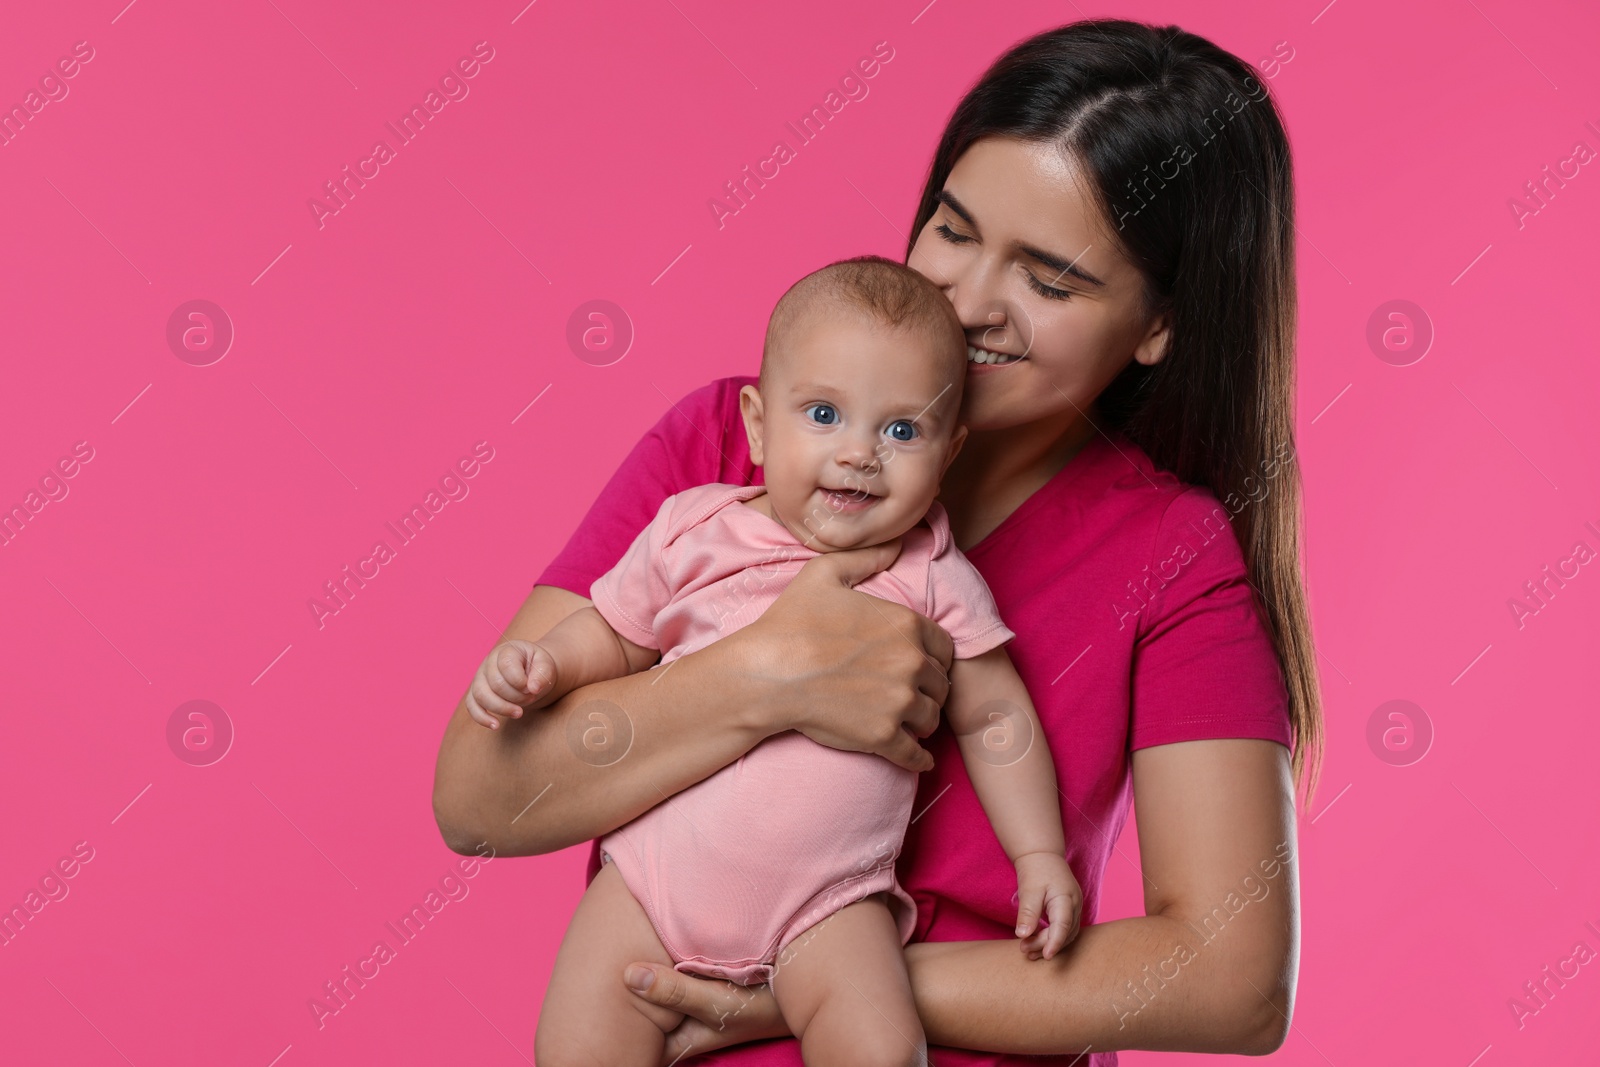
{"x":1190,"y":163}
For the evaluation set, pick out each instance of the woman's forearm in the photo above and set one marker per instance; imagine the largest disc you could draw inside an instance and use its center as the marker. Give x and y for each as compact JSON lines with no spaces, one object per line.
{"x":846,"y":669}
{"x":601,"y":756}
{"x":1119,"y":985}
{"x":1210,"y":967}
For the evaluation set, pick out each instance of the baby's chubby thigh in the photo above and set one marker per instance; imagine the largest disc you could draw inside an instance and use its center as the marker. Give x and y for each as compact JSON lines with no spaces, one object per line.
{"x":842,"y":987}
{"x":589,"y":1016}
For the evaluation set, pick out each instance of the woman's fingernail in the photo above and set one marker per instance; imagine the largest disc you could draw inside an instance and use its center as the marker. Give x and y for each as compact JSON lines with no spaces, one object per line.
{"x":639,"y":978}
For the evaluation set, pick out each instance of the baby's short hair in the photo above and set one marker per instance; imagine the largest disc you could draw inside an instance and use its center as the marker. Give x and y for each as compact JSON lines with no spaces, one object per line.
{"x":890,"y":293}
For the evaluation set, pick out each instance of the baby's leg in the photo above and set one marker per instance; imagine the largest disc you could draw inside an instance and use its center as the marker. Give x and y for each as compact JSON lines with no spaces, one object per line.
{"x":589,"y":1018}
{"x":843,"y":990}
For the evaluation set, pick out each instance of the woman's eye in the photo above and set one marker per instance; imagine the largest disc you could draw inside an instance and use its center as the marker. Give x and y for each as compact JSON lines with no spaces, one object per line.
{"x":1045,"y":290}
{"x":823,"y":414}
{"x":903,"y":430}
{"x":950,"y":235}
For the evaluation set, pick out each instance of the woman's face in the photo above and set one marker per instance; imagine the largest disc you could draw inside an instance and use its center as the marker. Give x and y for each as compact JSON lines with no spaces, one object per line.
{"x":1034,"y":271}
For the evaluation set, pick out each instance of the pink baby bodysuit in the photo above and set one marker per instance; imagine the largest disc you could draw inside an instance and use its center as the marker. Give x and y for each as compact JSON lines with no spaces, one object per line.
{"x":736,"y":866}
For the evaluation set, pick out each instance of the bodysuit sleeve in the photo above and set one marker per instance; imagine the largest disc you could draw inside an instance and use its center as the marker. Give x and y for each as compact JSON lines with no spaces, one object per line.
{"x":959,"y":600}
{"x":631,"y":594}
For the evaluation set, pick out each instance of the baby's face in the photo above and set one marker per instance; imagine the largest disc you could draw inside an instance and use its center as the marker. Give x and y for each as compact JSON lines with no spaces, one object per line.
{"x":854,"y":429}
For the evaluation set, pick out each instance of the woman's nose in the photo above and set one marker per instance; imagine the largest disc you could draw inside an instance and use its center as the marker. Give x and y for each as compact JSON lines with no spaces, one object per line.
{"x":979,"y":304}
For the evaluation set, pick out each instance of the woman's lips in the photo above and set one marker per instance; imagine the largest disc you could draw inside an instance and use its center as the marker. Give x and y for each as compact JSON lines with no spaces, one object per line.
{"x":974,"y":354}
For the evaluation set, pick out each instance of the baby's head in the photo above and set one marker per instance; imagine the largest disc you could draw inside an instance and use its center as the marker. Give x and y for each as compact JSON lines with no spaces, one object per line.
{"x":855,"y":417}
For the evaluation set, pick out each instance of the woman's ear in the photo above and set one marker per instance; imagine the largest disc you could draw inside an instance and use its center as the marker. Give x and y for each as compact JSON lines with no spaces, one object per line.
{"x":1153,"y":347}
{"x":754,"y":414}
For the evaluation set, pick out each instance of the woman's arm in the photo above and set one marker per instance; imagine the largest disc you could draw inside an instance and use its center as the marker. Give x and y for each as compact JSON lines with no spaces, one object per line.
{"x":1211,"y":967}
{"x":849,"y":670}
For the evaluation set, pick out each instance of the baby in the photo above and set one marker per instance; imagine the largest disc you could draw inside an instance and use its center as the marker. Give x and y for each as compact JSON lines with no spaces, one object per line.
{"x":780,"y":867}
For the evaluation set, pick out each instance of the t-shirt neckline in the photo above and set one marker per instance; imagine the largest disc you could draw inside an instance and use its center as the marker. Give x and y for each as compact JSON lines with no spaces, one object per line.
{"x":775,"y":529}
{"x":1071,"y":471}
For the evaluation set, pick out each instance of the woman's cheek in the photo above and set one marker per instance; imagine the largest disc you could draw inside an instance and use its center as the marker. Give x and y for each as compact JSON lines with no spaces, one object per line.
{"x":1070,"y":347}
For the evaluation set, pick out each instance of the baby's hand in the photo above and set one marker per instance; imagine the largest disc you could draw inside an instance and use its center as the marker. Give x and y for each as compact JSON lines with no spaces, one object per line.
{"x":514,"y":675}
{"x":1046,"y":886}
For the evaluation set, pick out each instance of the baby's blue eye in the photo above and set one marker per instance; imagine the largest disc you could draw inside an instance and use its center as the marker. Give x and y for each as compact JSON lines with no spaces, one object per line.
{"x":823,"y":413}
{"x":903,"y":430}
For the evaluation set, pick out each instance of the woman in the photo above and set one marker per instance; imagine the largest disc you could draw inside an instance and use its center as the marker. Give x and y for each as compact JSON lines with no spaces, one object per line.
{"x":1112,"y":204}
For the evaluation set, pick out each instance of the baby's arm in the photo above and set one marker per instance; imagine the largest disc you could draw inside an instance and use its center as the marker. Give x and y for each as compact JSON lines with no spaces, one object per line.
{"x":1009,"y":762}
{"x":581,"y":649}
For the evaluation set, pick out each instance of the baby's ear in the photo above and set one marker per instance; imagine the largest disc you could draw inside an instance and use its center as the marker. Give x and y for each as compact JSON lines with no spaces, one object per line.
{"x":957,"y":438}
{"x":754,"y":413}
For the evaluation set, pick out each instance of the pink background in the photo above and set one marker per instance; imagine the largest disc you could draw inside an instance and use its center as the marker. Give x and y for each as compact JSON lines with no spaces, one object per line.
{"x":374,"y":352}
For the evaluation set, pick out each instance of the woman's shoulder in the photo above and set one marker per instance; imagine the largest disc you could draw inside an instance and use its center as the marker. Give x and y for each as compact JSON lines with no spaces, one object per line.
{"x":719,"y":396}
{"x":1173,"y":510}
{"x":703,"y":434}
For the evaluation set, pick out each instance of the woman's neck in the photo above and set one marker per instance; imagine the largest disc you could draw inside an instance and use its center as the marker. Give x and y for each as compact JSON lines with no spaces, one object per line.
{"x":999,"y":469}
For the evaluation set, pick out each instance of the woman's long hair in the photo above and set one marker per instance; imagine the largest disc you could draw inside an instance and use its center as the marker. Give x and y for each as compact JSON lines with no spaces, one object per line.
{"x":1191,"y":167}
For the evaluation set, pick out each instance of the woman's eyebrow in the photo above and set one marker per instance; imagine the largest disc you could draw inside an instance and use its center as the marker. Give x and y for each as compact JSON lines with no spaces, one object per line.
{"x":1054,"y":262}
{"x":1061,"y":266}
{"x":946,"y":197}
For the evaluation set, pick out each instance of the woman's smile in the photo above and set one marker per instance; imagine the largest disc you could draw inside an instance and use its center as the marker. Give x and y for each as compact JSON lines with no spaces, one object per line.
{"x":983,"y":360}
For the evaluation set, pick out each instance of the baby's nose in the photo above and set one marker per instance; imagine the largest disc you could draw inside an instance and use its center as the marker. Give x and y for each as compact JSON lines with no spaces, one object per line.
{"x":860,"y":456}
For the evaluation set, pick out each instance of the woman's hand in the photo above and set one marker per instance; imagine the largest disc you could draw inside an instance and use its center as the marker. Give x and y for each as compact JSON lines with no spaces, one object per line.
{"x":717,"y":1013}
{"x":847,"y":669}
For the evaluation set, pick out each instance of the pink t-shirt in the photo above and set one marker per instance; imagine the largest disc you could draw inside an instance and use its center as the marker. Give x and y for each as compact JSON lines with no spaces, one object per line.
{"x":1136,"y":626}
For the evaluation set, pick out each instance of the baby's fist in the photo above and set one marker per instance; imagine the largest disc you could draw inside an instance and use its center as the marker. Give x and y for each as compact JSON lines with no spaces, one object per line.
{"x":514,"y":675}
{"x":1046,"y":887}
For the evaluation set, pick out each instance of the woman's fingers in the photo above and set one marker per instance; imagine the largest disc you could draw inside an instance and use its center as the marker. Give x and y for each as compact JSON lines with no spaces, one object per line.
{"x":851,"y":567}
{"x":718,"y":1013}
{"x":904,"y":751}
{"x":874,"y":673}
{"x":935,"y":641}
{"x":670,"y":988}
{"x":691,"y":1034}
{"x":932,"y":679}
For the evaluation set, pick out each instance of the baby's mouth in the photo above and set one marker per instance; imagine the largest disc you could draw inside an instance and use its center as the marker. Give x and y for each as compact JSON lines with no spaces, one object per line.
{"x":849,"y":499}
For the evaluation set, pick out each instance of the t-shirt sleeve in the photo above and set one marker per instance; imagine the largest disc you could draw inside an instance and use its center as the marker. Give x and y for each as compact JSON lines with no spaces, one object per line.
{"x":959,"y":600}
{"x":1204,"y":665}
{"x":678,"y":452}
{"x":631,"y":594}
